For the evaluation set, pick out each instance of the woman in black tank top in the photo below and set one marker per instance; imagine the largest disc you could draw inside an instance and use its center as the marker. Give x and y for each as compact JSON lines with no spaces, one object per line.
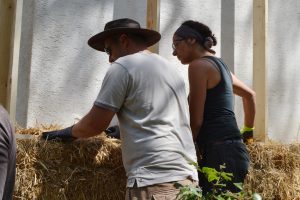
{"x":212,"y":88}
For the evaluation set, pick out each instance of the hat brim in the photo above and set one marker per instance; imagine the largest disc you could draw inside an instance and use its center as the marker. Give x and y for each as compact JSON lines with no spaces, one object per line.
{"x":97,"y":41}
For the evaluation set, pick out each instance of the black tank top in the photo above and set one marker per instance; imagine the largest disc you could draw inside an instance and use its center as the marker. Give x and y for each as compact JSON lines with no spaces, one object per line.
{"x":219,"y":122}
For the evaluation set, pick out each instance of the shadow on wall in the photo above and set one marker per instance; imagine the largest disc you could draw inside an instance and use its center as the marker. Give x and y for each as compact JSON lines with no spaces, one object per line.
{"x":125,"y":8}
{"x":228,"y":32}
{"x":25,"y":63}
{"x":175,"y":10}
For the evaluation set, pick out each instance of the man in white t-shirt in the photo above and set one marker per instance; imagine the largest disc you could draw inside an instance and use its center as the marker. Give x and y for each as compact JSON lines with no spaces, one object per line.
{"x":148,"y":95}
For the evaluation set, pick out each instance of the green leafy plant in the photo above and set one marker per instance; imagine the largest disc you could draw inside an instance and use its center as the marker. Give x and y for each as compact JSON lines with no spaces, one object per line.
{"x":188,"y":192}
{"x":218,"y":192}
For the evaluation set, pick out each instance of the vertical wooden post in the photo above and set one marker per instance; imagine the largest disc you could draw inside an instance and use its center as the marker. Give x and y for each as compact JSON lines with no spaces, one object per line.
{"x":260,"y":67}
{"x":153,"y":19}
{"x":14,"y":60}
{"x":7,"y":10}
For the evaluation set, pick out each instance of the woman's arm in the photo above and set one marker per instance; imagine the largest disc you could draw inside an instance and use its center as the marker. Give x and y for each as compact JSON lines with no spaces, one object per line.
{"x":248,"y":97}
{"x":198,"y":85}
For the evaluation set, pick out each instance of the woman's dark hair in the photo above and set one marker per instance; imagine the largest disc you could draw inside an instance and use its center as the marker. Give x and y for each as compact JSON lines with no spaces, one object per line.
{"x":209,"y":39}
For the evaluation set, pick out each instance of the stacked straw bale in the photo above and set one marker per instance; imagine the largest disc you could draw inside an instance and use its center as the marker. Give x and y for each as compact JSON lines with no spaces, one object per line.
{"x":87,"y":169}
{"x":274,"y":171}
{"x":92,"y":169}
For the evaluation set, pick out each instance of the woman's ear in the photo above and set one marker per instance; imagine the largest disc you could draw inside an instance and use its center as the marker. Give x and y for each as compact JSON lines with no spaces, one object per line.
{"x":191,"y":40}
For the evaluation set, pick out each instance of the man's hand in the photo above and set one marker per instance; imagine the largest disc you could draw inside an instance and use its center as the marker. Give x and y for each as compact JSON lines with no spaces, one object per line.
{"x":64,"y":134}
{"x":247,"y":134}
{"x":113,"y":132}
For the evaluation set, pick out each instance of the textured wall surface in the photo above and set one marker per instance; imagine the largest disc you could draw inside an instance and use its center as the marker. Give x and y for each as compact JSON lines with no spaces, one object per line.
{"x":65,"y":73}
{"x":60,"y":75}
{"x":284,"y":70}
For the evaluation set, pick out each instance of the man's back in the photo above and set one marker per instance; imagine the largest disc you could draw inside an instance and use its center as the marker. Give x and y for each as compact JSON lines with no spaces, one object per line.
{"x":157,"y":143}
{"x":7,"y":156}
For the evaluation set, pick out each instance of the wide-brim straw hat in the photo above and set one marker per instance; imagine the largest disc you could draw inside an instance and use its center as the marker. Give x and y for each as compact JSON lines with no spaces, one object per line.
{"x":120,"y":26}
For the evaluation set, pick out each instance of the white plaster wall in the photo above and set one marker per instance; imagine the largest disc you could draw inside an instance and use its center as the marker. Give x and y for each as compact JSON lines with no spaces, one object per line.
{"x":65,"y":73}
{"x":284,"y":70}
{"x":60,"y":75}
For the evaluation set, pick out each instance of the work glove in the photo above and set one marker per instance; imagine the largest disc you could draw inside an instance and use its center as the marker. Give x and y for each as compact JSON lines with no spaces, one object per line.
{"x":63,"y":134}
{"x":113,"y":132}
{"x":247,"y":134}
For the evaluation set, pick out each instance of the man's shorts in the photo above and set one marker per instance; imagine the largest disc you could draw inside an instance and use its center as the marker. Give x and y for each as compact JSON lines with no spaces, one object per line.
{"x":162,"y":191}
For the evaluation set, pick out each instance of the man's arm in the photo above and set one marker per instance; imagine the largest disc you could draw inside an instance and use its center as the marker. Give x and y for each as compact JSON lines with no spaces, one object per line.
{"x":95,"y":122}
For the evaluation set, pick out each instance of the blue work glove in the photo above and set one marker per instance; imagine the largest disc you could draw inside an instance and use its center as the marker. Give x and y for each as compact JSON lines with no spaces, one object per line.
{"x":247,"y":134}
{"x":64,"y":134}
{"x":113,"y":132}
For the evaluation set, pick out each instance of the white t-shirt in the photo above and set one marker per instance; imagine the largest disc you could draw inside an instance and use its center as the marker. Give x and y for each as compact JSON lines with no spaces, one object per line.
{"x":148,"y":94}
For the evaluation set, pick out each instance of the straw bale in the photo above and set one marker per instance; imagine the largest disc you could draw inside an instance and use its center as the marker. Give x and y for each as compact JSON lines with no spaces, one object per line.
{"x":92,"y":169}
{"x":274,"y":170}
{"x":82,"y":169}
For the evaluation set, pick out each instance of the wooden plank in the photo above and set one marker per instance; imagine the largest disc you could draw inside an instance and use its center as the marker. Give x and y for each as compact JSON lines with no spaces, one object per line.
{"x":7,"y":8}
{"x":14,"y":60}
{"x":153,"y":19}
{"x":260,"y":67}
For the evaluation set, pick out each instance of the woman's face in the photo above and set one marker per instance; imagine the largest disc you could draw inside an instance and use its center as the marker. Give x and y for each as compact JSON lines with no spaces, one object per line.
{"x":182,"y":49}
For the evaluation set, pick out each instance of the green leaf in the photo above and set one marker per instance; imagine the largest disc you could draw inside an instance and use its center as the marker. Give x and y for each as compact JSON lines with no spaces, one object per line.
{"x":226,"y":176}
{"x":239,"y":185}
{"x":195,"y":164}
{"x":220,"y":185}
{"x":222,"y":167}
{"x":219,"y":198}
{"x":211,"y":174}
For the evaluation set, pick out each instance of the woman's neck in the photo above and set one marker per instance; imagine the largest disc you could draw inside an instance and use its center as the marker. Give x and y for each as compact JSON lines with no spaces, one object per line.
{"x":200,"y":54}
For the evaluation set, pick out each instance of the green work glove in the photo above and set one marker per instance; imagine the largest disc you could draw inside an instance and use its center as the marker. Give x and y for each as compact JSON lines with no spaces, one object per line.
{"x":247,"y":134}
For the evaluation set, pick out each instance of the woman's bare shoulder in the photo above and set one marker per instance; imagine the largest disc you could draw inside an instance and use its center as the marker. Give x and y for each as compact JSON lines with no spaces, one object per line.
{"x":201,"y":64}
